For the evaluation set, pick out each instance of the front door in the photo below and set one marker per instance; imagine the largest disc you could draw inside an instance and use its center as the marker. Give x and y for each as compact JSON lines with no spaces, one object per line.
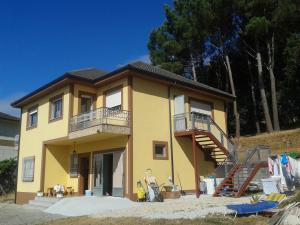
{"x":83,"y":181}
{"x":108,"y":173}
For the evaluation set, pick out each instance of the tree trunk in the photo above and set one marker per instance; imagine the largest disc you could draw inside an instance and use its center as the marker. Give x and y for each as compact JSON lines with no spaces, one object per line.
{"x":193,"y":68}
{"x":235,"y":108}
{"x":263,"y":94}
{"x":273,"y":84}
{"x":253,"y":98}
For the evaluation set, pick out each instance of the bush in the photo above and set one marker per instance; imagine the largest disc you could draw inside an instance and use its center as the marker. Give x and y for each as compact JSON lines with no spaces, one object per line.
{"x":8,"y":171}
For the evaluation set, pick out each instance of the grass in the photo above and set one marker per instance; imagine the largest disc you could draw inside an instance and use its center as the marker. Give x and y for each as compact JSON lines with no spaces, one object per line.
{"x":282,"y":141}
{"x":7,"y":198}
{"x":220,"y":220}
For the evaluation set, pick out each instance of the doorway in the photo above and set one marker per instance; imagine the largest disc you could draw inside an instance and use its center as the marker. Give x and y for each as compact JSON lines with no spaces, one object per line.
{"x":108,"y":174}
{"x":83,"y":181}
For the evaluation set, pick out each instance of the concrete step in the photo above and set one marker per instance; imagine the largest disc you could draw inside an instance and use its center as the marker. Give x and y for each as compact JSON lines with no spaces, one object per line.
{"x":28,"y":206}
{"x":41,"y":203}
{"x":47,"y":199}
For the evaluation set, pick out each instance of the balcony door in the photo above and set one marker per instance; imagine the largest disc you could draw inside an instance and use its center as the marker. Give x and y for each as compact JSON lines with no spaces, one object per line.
{"x":201,"y":107}
{"x":201,"y":120}
{"x":86,"y":103}
{"x":179,"y":112}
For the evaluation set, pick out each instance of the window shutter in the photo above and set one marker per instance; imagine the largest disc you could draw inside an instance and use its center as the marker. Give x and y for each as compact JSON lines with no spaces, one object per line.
{"x":200,"y":107}
{"x":28,"y":169}
{"x":113,"y":98}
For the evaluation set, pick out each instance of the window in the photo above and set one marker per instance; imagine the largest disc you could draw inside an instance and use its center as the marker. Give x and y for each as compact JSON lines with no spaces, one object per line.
{"x":86,"y":103}
{"x":160,"y":150}
{"x":74,"y":165}
{"x":113,"y":99}
{"x":201,"y":107}
{"x":28,"y":169}
{"x":32,"y":117}
{"x":56,"y":107}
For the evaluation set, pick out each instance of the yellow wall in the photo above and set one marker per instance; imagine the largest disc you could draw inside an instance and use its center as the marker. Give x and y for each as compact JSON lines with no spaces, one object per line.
{"x":56,"y":165}
{"x":31,"y":142}
{"x":151,"y":122}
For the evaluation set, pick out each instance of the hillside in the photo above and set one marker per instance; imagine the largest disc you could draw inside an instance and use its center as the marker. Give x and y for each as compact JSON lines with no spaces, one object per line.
{"x":282,"y":141}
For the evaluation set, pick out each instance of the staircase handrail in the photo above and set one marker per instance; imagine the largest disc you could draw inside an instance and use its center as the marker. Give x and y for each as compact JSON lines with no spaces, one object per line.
{"x":196,"y":116}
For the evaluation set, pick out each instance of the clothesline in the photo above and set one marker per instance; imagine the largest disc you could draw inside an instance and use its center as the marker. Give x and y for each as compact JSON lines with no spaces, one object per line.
{"x":285,"y":167}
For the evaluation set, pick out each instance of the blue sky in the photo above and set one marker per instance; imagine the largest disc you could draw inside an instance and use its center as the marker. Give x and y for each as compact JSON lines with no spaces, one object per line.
{"x":40,"y":40}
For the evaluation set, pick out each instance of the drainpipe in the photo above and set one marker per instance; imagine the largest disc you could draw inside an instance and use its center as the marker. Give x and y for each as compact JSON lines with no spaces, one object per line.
{"x":171,"y":133}
{"x":18,"y":157}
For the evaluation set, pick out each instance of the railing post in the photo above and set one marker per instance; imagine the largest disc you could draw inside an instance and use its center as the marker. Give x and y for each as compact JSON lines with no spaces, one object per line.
{"x":222,"y":138}
{"x":208,"y":126}
{"x":193,"y":120}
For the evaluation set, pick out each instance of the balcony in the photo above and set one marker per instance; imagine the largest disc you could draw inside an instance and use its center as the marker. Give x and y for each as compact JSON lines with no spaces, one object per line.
{"x":197,"y":121}
{"x":100,"y":121}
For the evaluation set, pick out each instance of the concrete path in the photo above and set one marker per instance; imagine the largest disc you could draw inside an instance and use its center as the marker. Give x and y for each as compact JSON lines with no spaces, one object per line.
{"x":11,"y":214}
{"x":79,"y":206}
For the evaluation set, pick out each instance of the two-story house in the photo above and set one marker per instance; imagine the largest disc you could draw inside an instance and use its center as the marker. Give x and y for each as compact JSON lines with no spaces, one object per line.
{"x":9,"y":136}
{"x":100,"y":131}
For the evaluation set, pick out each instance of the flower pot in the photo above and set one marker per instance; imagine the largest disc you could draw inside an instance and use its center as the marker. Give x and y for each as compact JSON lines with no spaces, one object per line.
{"x":39,"y":194}
{"x":59,"y":195}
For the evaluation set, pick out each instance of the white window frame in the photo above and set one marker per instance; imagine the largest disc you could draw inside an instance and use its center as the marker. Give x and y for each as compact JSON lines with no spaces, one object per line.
{"x":32,"y":111}
{"x":53,"y":107}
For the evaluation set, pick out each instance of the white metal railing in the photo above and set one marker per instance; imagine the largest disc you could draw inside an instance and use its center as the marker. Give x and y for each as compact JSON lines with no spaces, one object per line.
{"x":199,"y":121}
{"x":100,"y":116}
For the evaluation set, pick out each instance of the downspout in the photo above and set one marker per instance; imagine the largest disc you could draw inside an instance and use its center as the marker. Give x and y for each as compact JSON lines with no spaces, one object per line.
{"x":18,"y":157}
{"x":171,"y":134}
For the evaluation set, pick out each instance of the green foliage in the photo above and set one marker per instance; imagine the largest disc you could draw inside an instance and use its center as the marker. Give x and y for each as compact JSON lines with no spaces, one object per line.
{"x":7,"y":175}
{"x":203,"y":31}
{"x":290,"y":94}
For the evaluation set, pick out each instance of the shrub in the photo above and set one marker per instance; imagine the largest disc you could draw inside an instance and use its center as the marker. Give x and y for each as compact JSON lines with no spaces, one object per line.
{"x":8,"y":169}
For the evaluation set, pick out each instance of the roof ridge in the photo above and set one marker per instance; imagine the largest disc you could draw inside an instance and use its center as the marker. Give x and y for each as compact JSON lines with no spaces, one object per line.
{"x":82,"y":69}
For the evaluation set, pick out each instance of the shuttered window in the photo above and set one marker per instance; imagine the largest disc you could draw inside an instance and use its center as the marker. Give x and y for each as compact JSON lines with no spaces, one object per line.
{"x":201,"y":107}
{"x":28,"y":169}
{"x":113,"y":99}
{"x":32,"y":117}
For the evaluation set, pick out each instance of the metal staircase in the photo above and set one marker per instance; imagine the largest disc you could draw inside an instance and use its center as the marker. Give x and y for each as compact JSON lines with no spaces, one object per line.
{"x":210,"y":138}
{"x":238,"y":179}
{"x":217,"y":147}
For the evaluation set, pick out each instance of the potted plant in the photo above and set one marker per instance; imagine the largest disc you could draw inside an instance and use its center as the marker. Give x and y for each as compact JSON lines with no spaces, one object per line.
{"x":40,"y":194}
{"x":59,"y":190}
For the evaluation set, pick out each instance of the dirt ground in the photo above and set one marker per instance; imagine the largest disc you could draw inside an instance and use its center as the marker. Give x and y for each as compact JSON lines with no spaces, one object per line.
{"x":8,"y":198}
{"x":288,"y":140}
{"x":252,"y":220}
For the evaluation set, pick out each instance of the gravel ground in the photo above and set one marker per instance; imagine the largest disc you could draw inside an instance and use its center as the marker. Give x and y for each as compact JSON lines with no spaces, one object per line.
{"x":11,"y":214}
{"x":187,"y":207}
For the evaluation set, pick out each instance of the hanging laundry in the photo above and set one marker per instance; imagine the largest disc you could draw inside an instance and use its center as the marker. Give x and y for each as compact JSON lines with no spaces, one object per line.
{"x":271,"y":165}
{"x":275,"y":168}
{"x":284,"y":159}
{"x":288,"y":179}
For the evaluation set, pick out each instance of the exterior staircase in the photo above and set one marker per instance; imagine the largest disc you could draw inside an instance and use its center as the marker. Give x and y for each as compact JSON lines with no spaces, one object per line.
{"x":41,"y":203}
{"x":217,"y":147}
{"x":239,"y":177}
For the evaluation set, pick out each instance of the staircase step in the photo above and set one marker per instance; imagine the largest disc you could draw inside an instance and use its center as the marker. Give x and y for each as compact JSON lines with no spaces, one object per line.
{"x":41,"y":203}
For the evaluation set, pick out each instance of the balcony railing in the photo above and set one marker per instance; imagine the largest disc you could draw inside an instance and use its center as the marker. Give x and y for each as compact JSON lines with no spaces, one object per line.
{"x":99,"y":117}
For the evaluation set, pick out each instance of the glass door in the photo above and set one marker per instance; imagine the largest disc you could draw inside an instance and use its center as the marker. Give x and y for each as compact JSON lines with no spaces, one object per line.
{"x":98,"y":174}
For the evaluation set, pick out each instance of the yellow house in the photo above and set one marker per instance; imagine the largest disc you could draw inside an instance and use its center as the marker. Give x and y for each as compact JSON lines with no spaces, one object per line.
{"x":99,"y":131}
